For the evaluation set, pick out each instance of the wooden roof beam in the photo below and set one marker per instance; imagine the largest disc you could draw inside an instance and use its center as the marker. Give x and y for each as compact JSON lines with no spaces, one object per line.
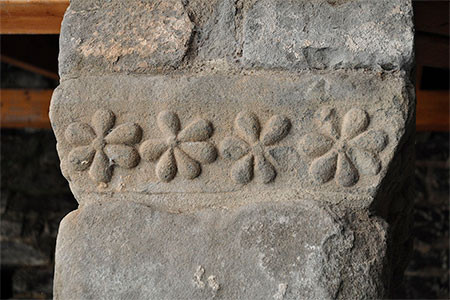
{"x":31,"y":16}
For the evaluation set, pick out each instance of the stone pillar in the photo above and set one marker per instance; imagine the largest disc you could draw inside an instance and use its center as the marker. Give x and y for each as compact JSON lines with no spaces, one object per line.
{"x":225,"y":149}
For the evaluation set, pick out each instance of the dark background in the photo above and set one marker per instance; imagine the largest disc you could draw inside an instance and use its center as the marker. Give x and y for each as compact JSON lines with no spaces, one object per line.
{"x":35,"y":196}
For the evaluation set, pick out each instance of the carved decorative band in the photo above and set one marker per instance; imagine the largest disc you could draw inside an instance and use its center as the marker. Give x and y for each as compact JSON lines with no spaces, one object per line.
{"x":330,"y":136}
{"x":346,"y":155}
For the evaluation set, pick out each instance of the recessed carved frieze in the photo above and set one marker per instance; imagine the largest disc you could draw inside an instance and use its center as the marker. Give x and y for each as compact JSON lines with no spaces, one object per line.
{"x":344,"y":151}
{"x":213,"y":136}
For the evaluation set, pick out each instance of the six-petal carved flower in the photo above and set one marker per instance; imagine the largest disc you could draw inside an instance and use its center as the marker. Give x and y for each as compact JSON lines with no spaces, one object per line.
{"x":344,"y":154}
{"x":248,"y":148}
{"x":181,"y":151}
{"x":100,"y":147}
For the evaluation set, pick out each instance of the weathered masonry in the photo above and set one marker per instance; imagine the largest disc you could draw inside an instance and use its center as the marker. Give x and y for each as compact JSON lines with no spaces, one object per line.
{"x":225,"y":149}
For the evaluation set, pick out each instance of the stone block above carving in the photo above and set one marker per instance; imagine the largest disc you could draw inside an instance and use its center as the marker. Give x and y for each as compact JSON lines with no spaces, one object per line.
{"x":187,"y":141}
{"x":162,"y":36}
{"x":123,"y":36}
{"x":328,"y":34}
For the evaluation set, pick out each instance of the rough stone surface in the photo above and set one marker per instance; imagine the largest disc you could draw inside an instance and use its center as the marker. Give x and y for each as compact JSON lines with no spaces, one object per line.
{"x":281,"y":251}
{"x":425,"y":278}
{"x":235,"y":149}
{"x":328,"y":34}
{"x":147,"y":35}
{"x":99,"y":37}
{"x":286,"y":134}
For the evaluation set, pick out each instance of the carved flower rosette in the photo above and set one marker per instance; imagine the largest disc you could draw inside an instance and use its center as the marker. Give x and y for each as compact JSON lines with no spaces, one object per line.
{"x":249,"y":147}
{"x":343,"y":151}
{"x":100,"y":147}
{"x":179,"y":151}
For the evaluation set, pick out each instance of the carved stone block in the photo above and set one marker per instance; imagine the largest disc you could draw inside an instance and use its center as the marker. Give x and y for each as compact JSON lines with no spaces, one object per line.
{"x":225,"y":149}
{"x":190,"y":140}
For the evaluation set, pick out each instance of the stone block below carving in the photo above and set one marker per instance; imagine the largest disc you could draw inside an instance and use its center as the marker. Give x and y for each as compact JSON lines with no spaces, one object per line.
{"x":123,"y":250}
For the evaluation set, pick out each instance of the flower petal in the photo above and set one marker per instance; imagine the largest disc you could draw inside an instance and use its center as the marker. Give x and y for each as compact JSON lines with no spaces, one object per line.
{"x":65,"y":169}
{"x":102,"y":121}
{"x":196,"y":131}
{"x":166,"y":168}
{"x":346,"y":173}
{"x":315,"y":145}
{"x":127,"y":133}
{"x":168,"y":123}
{"x":265,"y":172}
{"x":366,"y":162}
{"x":152,"y":149}
{"x":187,"y":167}
{"x":247,"y":127}
{"x":80,"y":158}
{"x":355,"y":121}
{"x":327,"y":121}
{"x":275,"y":130}
{"x":101,"y":170}
{"x":122,"y":155}
{"x":203,"y":152}
{"x":322,"y":169}
{"x":372,"y":140}
{"x":242,"y":170}
{"x":233,"y":148}
{"x":79,"y":134}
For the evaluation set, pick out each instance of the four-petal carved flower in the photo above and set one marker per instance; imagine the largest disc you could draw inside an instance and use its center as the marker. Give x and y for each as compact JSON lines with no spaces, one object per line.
{"x":181,"y":151}
{"x":345,"y":155}
{"x":248,"y":149}
{"x":99,"y":148}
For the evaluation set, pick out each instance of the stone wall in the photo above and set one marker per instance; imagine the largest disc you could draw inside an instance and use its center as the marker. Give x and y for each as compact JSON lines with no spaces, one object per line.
{"x":30,"y":215}
{"x":427,"y":276}
{"x":34,"y":199}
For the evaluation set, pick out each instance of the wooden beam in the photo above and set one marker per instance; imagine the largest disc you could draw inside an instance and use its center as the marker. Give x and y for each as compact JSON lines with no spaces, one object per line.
{"x":25,"y":108}
{"x":28,"y":67}
{"x":432,"y":111}
{"x":432,"y":17}
{"x":31,"y":16}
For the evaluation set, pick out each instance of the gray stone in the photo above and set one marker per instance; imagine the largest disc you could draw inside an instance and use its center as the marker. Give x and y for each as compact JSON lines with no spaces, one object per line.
{"x":123,"y":36}
{"x":213,"y":153}
{"x":217,"y":38}
{"x":266,"y":251}
{"x":100,"y":37}
{"x":226,"y":149}
{"x":332,"y":34}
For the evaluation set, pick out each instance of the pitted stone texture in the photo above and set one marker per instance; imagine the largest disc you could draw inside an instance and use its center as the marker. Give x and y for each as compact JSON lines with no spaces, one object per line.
{"x":319,"y":34}
{"x":217,"y":39}
{"x":122,"y":250}
{"x":123,"y":36}
{"x":207,"y":135}
{"x":134,"y":36}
